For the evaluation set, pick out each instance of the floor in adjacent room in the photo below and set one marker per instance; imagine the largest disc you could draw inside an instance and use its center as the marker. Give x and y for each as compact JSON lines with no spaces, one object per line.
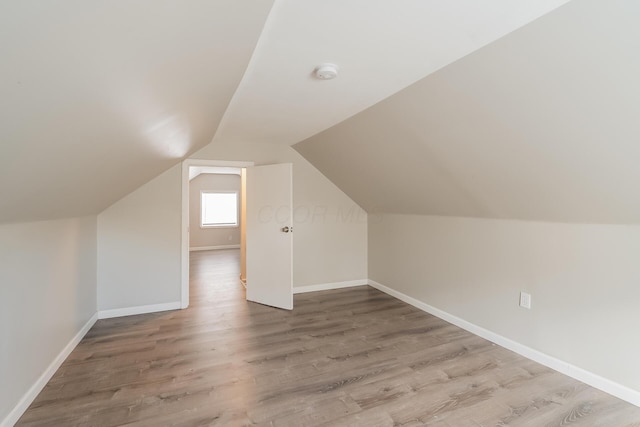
{"x":349,"y":357}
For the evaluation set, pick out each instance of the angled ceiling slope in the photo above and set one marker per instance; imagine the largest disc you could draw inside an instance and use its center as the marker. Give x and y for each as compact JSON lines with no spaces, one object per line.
{"x":380,"y":47}
{"x":98,"y":97}
{"x":540,"y":125}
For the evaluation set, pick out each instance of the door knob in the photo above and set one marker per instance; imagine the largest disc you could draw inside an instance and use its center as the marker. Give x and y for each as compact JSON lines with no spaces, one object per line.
{"x":285,"y":229}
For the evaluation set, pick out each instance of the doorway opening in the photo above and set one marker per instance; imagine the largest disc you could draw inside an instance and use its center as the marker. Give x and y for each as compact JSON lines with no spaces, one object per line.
{"x":215,"y":207}
{"x":266,"y":225}
{"x":212,"y":218}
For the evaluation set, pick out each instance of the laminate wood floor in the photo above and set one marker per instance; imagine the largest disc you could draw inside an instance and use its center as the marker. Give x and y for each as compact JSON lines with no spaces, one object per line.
{"x":350,"y":357}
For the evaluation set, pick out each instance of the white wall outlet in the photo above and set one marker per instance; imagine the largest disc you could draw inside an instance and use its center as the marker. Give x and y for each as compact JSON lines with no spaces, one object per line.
{"x":525,"y":300}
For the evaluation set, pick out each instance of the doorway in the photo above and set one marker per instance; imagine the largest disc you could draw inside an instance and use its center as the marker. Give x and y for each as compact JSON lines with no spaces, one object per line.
{"x":266,"y":225}
{"x":190,"y":168}
{"x":215,"y":204}
{"x":214,"y":208}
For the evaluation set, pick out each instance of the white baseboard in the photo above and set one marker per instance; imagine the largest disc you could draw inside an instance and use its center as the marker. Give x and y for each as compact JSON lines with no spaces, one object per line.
{"x":213,"y":248}
{"x":618,"y":390}
{"x":143,"y":309}
{"x":327,"y":286}
{"x":37,"y":387}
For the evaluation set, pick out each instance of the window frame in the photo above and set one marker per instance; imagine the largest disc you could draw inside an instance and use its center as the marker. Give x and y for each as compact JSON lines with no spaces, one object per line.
{"x":220,"y":225}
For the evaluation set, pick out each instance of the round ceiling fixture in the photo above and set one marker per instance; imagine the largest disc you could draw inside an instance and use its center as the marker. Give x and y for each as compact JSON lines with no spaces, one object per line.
{"x":326,"y":71}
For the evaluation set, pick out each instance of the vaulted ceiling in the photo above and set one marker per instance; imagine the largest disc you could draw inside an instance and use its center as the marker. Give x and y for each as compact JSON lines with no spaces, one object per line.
{"x":542,"y":124}
{"x":99,"y":97}
{"x":380,"y":47}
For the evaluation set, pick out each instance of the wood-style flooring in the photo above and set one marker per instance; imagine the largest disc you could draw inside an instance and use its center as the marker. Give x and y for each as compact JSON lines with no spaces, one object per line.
{"x":350,"y":357}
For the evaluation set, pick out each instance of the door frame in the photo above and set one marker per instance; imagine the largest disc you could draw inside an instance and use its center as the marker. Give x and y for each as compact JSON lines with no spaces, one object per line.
{"x":184,"y":232}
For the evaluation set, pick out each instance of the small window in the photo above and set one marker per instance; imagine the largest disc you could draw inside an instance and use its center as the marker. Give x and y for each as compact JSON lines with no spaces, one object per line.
{"x":219,"y":209}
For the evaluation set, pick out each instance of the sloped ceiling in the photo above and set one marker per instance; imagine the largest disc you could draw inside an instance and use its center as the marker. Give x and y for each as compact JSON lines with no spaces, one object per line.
{"x":539,"y":125}
{"x":98,"y":97}
{"x":380,"y":47}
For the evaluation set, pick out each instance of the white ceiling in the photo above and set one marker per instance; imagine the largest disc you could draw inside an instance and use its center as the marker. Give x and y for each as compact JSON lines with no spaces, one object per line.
{"x":540,"y":125}
{"x":380,"y":47}
{"x":98,"y":97}
{"x":195,"y":171}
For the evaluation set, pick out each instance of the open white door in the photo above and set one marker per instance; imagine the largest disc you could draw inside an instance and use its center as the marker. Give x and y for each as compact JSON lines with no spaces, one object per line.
{"x":269,"y":245}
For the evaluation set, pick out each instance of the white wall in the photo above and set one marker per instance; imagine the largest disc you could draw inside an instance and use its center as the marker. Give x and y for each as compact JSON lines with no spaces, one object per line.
{"x":583,"y":280}
{"x":330,"y":238}
{"x":47,"y":294}
{"x":139,"y":246}
{"x":211,"y":236}
{"x":139,"y":236}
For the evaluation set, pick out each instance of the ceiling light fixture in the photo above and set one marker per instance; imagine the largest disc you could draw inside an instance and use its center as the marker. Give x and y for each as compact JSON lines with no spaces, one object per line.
{"x":326,"y":71}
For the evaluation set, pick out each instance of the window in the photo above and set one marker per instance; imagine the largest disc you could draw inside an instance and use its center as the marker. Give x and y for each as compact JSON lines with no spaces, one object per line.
{"x":219,"y":209}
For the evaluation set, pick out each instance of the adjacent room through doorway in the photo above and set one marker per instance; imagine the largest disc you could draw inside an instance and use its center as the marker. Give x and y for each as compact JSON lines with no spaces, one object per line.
{"x":215,"y":209}
{"x":261,"y":209}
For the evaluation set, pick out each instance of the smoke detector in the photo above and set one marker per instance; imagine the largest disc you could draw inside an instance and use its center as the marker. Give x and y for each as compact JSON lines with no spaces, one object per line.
{"x":326,"y":71}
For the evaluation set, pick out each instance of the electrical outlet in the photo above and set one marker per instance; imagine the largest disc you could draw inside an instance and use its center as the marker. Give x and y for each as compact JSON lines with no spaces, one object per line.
{"x":525,"y":300}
